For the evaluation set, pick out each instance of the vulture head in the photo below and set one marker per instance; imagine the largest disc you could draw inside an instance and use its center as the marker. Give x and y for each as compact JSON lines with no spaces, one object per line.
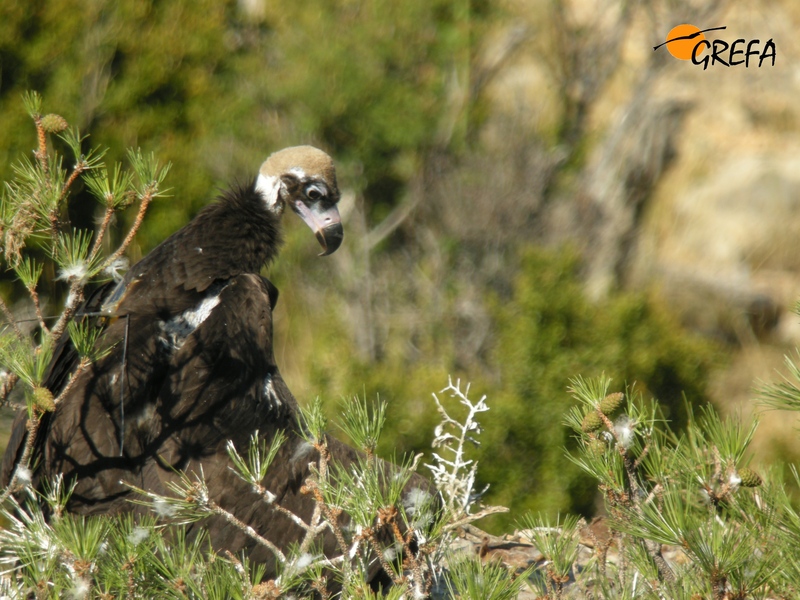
{"x":304,"y":178}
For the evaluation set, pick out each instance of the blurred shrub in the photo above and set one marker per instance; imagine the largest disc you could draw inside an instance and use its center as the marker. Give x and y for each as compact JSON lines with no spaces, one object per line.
{"x":545,"y":331}
{"x":548,"y":330}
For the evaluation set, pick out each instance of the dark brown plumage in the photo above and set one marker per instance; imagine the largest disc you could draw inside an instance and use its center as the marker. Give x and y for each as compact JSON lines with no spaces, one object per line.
{"x":200,"y":368}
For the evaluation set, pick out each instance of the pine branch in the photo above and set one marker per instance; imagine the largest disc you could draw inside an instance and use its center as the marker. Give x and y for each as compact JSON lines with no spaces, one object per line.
{"x":41,"y":151}
{"x":74,"y":299}
{"x":246,"y":529}
{"x":32,"y":426}
{"x":143,"y":205}
{"x":77,"y":170}
{"x":11,"y":322}
{"x":101,"y":232}
{"x":38,"y":309}
{"x":8,"y":385}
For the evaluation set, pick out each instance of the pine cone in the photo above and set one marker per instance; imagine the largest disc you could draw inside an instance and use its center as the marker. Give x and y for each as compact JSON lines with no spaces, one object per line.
{"x":750,"y":478}
{"x":43,"y":399}
{"x":591,"y":422}
{"x":611,"y":404}
{"x":53,"y":123}
{"x":597,"y":446}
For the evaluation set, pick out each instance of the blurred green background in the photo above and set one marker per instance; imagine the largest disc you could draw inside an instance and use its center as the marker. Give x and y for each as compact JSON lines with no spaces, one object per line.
{"x":513,"y":177}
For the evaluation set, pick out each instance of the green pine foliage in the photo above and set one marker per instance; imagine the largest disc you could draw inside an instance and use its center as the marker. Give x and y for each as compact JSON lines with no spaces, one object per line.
{"x":122,"y":557}
{"x":730,"y":530}
{"x":38,"y":237}
{"x":548,"y":331}
{"x":473,"y":578}
{"x":558,"y":543}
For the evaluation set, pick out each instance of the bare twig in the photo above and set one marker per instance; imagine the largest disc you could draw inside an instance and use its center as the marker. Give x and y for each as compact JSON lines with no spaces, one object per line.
{"x":41,"y":136}
{"x":101,"y":232}
{"x":485,"y":512}
{"x":79,"y":168}
{"x":312,"y":529}
{"x":10,"y":319}
{"x":7,"y":387}
{"x":74,"y":298}
{"x":37,"y":307}
{"x":246,"y":529}
{"x":145,"y":202}
{"x":455,"y":478}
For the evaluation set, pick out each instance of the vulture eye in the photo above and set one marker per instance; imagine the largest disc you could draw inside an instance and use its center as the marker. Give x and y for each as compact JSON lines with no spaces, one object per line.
{"x":314,"y":193}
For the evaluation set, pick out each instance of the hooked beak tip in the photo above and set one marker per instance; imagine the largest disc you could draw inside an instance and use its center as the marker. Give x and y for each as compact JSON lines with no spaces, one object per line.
{"x":330,"y":238}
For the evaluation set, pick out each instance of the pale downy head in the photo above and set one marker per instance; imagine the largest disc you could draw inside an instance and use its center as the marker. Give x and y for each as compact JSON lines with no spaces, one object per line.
{"x":304,"y":178}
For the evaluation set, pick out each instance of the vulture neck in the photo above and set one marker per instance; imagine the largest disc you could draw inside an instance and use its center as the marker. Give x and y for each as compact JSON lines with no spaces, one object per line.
{"x":238,"y":232}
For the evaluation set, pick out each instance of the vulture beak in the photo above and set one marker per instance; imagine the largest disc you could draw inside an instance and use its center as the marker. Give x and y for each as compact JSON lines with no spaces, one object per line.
{"x":324,"y":221}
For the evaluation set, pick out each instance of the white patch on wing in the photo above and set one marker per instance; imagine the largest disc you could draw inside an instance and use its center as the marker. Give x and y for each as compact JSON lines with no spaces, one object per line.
{"x":270,"y":394}
{"x":180,"y":327}
{"x":195,"y":316}
{"x":268,"y":187}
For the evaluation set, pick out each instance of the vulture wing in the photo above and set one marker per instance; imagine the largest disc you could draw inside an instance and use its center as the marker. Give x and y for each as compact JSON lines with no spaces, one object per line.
{"x":186,"y":388}
{"x":186,"y":394}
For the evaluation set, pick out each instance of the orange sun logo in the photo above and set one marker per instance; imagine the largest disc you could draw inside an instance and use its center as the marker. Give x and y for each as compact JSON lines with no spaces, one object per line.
{"x":682,"y":39}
